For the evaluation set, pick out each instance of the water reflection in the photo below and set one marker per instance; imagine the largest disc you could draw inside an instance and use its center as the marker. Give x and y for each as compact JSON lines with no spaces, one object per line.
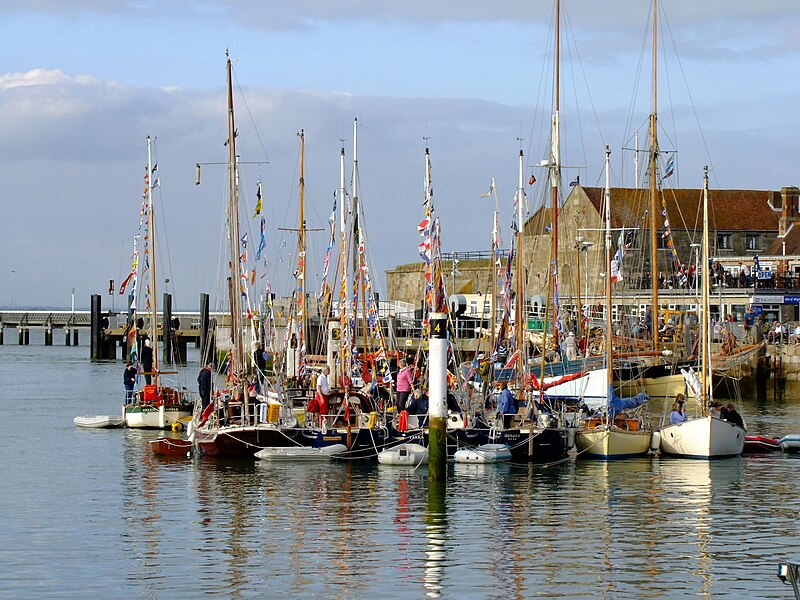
{"x":436,"y":534}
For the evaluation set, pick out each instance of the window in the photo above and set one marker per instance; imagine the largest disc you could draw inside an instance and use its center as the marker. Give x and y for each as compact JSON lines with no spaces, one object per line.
{"x":724,"y":241}
{"x":752,"y":242}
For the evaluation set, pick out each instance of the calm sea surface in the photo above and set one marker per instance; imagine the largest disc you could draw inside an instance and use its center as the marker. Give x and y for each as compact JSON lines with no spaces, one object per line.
{"x":91,"y":513}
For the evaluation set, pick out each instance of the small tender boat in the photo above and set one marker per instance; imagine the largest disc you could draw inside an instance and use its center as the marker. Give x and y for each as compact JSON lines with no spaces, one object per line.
{"x":484,"y":454}
{"x":166,"y":446}
{"x":301,"y":453}
{"x":759,"y":444}
{"x":99,"y":421}
{"x":404,"y":454}
{"x":791,"y":443}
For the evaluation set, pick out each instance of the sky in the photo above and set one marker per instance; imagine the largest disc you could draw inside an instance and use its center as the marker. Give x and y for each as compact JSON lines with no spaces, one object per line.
{"x":84,"y":82}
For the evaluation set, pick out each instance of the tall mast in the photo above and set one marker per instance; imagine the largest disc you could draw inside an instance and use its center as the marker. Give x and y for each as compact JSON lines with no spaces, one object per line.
{"x":706,"y":393}
{"x":609,"y":332}
{"x":493,"y":307}
{"x":152,"y":249}
{"x":237,"y":351}
{"x":359,"y":266}
{"x":520,"y":303}
{"x":555,"y":157}
{"x":343,"y":336}
{"x":301,"y":263}
{"x":654,"y":212}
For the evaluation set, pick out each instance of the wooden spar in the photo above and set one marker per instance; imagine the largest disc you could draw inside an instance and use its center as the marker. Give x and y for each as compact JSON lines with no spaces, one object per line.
{"x":609,"y":323}
{"x":343,"y":258}
{"x":654,"y":212}
{"x":706,"y":395}
{"x":555,"y":173}
{"x":301,"y":253}
{"x":237,"y":349}
{"x":152,"y":249}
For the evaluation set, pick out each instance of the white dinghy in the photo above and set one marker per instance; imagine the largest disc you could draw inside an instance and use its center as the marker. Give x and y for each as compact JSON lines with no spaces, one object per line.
{"x":791,"y":443}
{"x":484,"y":454}
{"x":409,"y":455}
{"x":301,"y":453}
{"x":99,"y":421}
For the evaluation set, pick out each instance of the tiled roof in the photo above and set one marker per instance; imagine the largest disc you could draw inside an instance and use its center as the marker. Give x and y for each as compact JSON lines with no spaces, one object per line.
{"x":792,"y":241}
{"x":729,"y":210}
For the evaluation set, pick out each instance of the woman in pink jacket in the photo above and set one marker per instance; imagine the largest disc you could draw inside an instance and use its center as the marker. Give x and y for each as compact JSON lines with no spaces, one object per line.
{"x":405,"y":381}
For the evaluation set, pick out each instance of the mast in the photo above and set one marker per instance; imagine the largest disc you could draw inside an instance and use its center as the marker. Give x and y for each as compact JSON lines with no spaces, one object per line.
{"x":343,"y":336}
{"x":234,"y":282}
{"x":493,"y":308}
{"x":706,"y":395}
{"x":152,"y":249}
{"x":301,"y":262}
{"x":609,"y":324}
{"x":555,"y":159}
{"x":654,"y":212}
{"x":358,"y":266}
{"x":520,"y":303}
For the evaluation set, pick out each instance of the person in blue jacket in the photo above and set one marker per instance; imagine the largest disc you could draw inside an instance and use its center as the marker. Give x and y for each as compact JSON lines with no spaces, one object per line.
{"x":506,"y":405}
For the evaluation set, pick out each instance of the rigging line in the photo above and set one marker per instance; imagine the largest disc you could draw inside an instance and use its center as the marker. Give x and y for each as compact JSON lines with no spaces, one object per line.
{"x":691,"y":101}
{"x":249,"y":114}
{"x":637,"y":79}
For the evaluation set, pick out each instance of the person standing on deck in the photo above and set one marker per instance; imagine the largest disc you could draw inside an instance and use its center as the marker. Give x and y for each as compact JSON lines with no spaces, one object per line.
{"x":506,"y":405}
{"x":323,"y":391}
{"x":260,"y":362}
{"x":405,"y":381}
{"x":204,"y":385}
{"x":147,"y":361}
{"x":129,"y":381}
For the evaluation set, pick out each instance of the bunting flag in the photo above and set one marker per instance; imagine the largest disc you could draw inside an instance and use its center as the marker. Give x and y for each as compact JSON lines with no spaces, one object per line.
{"x":532,"y":180}
{"x":670,"y":168}
{"x":258,"y":199}
{"x":491,"y":190}
{"x":262,"y":241}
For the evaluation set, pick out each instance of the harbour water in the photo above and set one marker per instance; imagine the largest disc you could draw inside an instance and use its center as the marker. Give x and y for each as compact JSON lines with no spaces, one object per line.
{"x":91,"y":513}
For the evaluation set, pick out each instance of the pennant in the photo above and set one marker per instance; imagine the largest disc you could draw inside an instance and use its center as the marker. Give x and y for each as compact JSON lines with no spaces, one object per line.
{"x":670,"y":168}
{"x":490,"y":191}
{"x":258,"y":202}
{"x":532,"y":180}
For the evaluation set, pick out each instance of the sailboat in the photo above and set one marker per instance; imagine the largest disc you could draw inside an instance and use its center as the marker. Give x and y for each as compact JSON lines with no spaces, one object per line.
{"x":154,"y":406}
{"x":612,"y":435}
{"x":237,"y":424}
{"x":705,"y":437}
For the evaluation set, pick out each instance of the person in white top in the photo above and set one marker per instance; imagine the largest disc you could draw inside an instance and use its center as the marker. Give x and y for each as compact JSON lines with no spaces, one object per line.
{"x":323,"y":392}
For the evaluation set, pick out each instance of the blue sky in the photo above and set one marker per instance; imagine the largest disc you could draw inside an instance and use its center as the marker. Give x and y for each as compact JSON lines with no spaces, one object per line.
{"x":83,"y":82}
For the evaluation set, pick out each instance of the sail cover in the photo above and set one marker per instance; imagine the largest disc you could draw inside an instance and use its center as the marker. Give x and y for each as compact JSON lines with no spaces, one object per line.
{"x":617,"y":404}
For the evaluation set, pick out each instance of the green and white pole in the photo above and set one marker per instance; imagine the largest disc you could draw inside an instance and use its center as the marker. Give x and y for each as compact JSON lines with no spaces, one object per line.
{"x":437,"y":398}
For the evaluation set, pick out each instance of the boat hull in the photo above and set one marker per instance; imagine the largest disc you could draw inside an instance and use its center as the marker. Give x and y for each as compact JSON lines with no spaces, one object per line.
{"x":174,"y":447}
{"x":405,"y":455}
{"x":484,"y":454}
{"x":301,"y":453}
{"x":99,"y":421}
{"x":759,"y":444}
{"x":791,"y":443}
{"x":148,"y":416}
{"x":612,"y":443}
{"x":705,"y":438}
{"x":549,"y":444}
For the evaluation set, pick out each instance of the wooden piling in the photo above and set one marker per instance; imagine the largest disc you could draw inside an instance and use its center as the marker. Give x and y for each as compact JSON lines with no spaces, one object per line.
{"x":166,"y":316}
{"x":96,"y":335}
{"x":205,"y":331}
{"x":48,"y":336}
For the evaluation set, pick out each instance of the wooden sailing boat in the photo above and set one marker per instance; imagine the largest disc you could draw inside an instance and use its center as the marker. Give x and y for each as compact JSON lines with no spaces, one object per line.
{"x":612,"y":435}
{"x":236,"y":424}
{"x":705,"y":437}
{"x":154,"y":406}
